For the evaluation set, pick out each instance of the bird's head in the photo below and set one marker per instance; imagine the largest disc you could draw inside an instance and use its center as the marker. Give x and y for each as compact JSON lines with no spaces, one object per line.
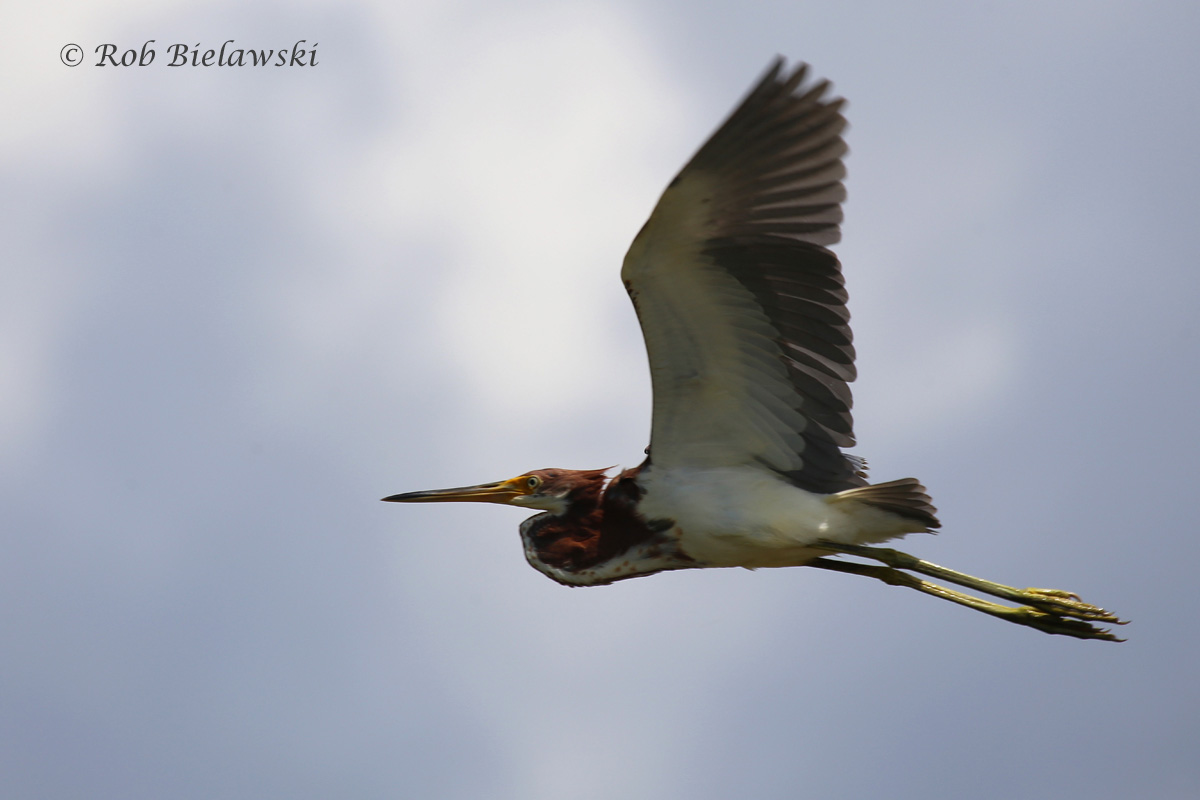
{"x":588,"y":534}
{"x":553,"y":490}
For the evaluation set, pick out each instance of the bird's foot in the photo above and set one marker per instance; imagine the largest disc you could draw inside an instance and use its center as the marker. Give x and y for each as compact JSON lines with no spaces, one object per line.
{"x":1066,"y":625}
{"x":1068,"y":604}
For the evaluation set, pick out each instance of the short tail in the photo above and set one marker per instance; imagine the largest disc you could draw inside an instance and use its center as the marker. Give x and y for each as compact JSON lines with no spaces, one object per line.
{"x":905,"y":497}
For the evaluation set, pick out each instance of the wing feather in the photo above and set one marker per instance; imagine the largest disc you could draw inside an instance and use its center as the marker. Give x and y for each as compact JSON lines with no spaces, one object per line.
{"x":742,"y":306}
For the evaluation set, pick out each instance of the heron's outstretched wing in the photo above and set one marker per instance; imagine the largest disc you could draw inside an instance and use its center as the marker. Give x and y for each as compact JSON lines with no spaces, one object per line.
{"x":742,"y":306}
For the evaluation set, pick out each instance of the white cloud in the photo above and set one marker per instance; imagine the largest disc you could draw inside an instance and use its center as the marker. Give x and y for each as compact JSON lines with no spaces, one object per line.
{"x":527,"y":162}
{"x":482,"y":223}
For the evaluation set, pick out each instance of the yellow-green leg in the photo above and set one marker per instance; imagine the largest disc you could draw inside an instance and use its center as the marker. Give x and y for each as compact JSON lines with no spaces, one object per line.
{"x":1049,"y":610}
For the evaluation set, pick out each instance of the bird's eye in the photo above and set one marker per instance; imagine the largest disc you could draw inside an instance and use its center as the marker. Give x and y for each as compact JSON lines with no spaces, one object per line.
{"x":533,"y":482}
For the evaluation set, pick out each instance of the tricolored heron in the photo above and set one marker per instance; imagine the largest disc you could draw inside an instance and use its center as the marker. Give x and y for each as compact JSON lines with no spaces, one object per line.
{"x":743,"y":310}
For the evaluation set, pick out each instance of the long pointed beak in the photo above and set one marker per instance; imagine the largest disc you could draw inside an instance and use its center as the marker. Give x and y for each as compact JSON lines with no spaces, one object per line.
{"x":499,"y":492}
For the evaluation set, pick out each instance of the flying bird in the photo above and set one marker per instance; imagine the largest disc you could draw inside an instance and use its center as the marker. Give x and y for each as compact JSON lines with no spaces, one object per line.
{"x":743,"y":310}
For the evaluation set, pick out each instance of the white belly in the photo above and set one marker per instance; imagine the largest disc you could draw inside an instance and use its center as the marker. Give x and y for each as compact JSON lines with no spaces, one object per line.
{"x":750,"y":517}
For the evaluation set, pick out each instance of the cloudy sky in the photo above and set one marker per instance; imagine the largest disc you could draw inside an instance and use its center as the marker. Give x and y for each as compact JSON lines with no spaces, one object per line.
{"x":239,"y":305}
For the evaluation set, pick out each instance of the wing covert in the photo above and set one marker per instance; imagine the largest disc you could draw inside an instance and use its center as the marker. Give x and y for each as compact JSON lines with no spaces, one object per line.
{"x":742,"y":306}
